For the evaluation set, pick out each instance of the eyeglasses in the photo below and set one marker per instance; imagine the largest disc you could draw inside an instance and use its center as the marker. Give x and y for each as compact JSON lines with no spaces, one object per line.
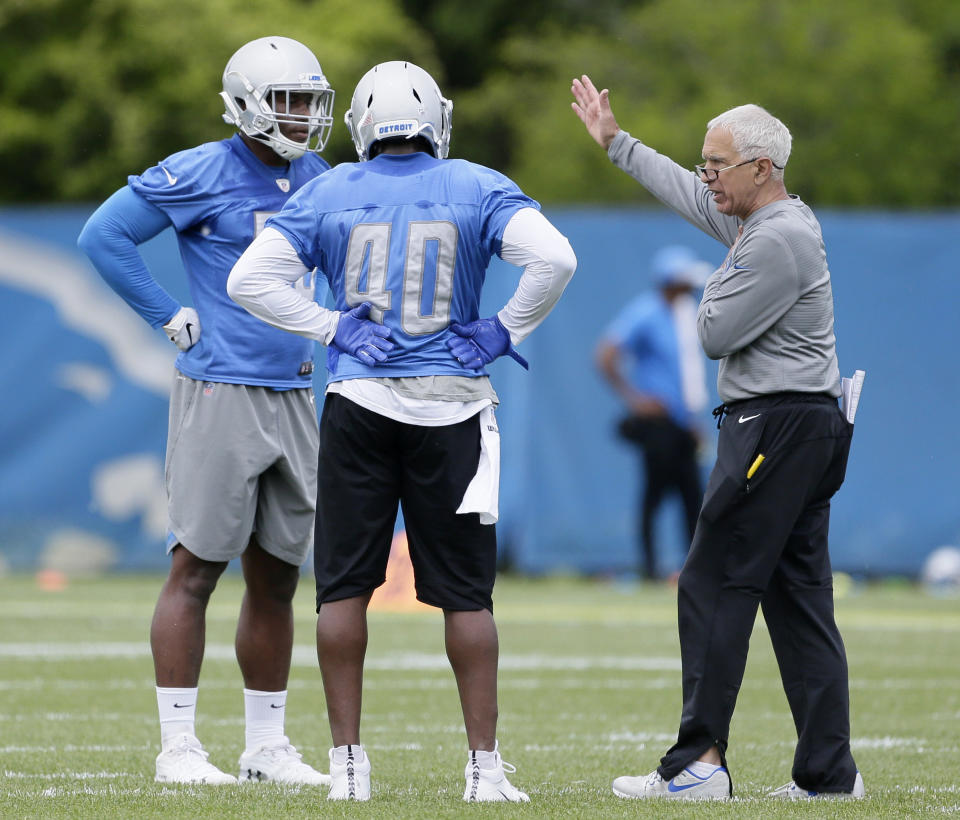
{"x":710,"y":174}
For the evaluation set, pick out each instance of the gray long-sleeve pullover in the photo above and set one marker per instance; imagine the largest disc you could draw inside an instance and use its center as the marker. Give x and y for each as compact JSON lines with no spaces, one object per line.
{"x":767,"y":311}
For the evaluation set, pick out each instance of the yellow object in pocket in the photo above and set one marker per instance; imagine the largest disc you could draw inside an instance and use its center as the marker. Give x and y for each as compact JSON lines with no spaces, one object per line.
{"x":755,"y":466}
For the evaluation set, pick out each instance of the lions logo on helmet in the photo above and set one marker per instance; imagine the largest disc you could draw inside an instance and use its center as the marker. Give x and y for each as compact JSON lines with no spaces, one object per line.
{"x":398,"y":99}
{"x":260,"y":83}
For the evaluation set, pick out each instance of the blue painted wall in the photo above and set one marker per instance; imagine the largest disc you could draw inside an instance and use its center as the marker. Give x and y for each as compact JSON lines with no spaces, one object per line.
{"x":83,"y":421}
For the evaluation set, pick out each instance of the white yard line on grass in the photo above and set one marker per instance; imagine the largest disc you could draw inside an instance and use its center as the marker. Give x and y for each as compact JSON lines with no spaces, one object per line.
{"x":859,"y":620}
{"x":72,"y":717}
{"x":306,"y":656}
{"x":68,"y":775}
{"x":72,"y":747}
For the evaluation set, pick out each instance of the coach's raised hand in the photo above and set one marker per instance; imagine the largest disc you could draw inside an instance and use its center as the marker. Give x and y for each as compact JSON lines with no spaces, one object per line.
{"x":593,"y":109}
{"x":361,"y":338}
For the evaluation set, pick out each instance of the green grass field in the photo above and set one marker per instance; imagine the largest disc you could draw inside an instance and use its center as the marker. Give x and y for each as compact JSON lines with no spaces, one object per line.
{"x":589,"y":688}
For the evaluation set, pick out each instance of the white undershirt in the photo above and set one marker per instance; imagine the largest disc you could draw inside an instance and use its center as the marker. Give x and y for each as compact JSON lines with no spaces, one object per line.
{"x":379,"y":398}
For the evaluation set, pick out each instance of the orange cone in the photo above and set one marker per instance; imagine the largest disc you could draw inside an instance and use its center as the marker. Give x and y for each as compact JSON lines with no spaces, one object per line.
{"x":397,"y":593}
{"x":51,"y":580}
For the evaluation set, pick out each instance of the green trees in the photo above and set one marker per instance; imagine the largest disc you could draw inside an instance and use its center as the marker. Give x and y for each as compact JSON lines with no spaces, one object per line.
{"x":873,"y":103}
{"x":95,"y":89}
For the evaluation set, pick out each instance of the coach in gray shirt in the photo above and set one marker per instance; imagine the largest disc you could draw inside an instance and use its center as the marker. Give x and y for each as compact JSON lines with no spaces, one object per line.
{"x":761,"y":537}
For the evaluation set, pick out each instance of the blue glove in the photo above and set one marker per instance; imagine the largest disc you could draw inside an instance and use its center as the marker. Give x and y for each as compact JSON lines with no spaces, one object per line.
{"x":478,"y":343}
{"x":358,"y":336}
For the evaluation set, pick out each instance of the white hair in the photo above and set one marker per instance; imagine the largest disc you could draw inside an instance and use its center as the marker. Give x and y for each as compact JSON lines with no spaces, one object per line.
{"x":756,"y":131}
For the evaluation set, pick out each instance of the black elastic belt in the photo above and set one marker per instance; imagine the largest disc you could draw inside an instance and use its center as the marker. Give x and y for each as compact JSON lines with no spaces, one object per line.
{"x":771,"y":400}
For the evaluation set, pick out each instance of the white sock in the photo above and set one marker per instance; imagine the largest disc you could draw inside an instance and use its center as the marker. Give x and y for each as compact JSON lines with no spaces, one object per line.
{"x":340,"y":753}
{"x":178,"y":712}
{"x":264,"y":713}
{"x":486,"y":760}
{"x":702,"y":769}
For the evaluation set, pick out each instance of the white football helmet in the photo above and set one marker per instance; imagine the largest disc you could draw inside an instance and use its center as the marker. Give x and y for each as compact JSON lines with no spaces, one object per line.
{"x":261,"y":84}
{"x":399,"y":99}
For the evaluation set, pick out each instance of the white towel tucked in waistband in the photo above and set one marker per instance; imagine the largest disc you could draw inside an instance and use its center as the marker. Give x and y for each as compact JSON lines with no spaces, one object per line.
{"x":483,"y":493}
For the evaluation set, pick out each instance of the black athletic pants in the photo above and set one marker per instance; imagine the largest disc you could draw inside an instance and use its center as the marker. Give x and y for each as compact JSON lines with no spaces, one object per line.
{"x":762,"y":542}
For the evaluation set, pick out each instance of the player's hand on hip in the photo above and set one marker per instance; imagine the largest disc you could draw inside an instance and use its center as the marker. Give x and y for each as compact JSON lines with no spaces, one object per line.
{"x":478,"y":343}
{"x":361,"y":338}
{"x":184,"y":328}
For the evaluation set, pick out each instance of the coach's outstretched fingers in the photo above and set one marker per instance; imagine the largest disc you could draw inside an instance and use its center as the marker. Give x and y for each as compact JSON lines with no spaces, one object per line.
{"x":593,"y":109}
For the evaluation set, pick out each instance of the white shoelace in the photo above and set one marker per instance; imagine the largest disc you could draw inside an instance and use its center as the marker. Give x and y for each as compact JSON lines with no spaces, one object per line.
{"x":187,"y":748}
{"x":282,"y":750}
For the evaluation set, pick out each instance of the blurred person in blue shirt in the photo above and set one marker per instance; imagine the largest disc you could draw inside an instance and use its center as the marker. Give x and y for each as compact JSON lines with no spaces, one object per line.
{"x":651,"y":357}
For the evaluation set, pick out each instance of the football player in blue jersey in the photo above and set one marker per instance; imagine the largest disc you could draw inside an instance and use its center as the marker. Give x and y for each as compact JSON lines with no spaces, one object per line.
{"x":242,"y":441}
{"x":404,"y":237}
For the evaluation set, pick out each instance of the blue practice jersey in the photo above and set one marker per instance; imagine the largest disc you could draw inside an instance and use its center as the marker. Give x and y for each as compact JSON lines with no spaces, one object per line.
{"x":646,"y":331}
{"x":412,"y":235}
{"x":218,"y":196}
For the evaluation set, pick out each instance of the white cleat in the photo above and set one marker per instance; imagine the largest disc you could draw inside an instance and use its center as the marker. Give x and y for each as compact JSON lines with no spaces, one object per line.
{"x":491,"y":785}
{"x":685,"y":786}
{"x":350,"y":773}
{"x":792,"y":791}
{"x":185,"y":761}
{"x":279,"y":763}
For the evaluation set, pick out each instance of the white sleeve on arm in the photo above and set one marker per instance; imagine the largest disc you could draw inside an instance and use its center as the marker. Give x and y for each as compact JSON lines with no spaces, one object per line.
{"x":533,"y":243}
{"x":262,"y":282}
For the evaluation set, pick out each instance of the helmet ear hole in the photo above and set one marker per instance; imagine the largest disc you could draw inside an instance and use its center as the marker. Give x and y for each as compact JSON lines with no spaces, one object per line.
{"x":241,"y":103}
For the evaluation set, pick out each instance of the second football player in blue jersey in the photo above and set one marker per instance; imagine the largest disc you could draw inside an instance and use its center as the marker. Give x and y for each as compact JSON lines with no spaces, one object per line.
{"x":404,"y":238}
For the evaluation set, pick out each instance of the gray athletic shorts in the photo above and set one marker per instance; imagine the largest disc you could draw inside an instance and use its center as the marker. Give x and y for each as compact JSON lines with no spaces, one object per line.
{"x":241,"y":460}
